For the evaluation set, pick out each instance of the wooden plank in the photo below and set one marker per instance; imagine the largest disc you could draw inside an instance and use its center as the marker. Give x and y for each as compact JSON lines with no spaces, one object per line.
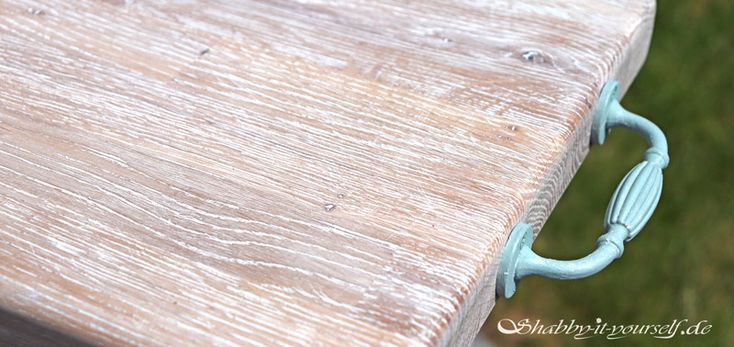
{"x":292,"y":173}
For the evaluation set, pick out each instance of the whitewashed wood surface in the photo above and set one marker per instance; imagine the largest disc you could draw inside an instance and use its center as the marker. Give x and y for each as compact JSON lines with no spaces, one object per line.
{"x":292,"y":173}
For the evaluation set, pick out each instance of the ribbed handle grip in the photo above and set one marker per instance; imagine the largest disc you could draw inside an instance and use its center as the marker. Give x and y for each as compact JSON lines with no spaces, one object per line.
{"x":635,"y":199}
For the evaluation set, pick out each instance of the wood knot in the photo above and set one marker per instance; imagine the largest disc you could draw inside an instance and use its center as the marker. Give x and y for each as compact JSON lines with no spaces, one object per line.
{"x":36,"y":11}
{"x":533,"y":56}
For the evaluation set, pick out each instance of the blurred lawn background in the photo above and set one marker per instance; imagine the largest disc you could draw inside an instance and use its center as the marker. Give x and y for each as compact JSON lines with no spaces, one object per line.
{"x":682,"y":264}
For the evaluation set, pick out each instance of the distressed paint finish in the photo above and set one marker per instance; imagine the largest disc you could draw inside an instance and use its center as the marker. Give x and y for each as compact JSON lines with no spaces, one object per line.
{"x":292,"y":173}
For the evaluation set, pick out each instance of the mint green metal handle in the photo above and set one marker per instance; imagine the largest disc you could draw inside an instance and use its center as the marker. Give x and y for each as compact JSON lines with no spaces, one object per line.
{"x":631,"y":206}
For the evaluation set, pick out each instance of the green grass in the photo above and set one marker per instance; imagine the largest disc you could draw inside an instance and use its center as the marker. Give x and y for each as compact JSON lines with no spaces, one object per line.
{"x":682,"y":264}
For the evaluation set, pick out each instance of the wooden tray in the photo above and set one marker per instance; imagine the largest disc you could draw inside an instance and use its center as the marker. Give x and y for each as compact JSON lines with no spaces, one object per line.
{"x":303,"y":173}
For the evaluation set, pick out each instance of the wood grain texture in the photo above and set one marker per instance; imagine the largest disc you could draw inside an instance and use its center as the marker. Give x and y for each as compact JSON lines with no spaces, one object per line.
{"x":295,"y":173}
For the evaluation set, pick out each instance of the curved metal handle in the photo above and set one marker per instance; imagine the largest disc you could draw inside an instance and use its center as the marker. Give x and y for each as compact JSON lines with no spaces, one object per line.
{"x":630,"y":208}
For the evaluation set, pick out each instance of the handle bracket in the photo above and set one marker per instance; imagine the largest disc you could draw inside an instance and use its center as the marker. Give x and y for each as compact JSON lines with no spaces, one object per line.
{"x":631,"y":205}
